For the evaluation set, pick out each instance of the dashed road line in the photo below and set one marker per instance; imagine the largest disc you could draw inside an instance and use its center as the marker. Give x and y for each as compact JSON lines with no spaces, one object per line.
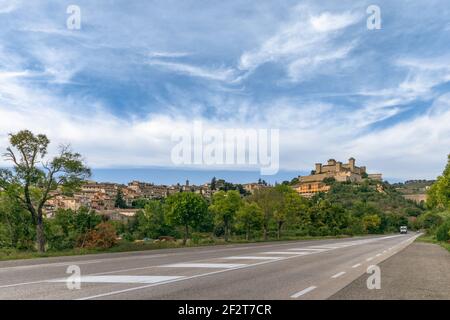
{"x":204,"y":265}
{"x":250,"y":258}
{"x":337,"y":275}
{"x":287,"y":252}
{"x":304,"y":291}
{"x":356,"y":265}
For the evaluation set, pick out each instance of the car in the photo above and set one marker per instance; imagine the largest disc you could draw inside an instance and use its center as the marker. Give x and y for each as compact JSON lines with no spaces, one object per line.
{"x":403,"y":229}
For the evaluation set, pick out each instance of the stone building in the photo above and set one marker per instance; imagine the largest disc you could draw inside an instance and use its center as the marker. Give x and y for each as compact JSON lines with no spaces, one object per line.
{"x":342,"y":172}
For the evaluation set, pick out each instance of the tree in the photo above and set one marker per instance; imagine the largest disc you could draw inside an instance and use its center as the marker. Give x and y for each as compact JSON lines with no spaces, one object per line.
{"x":187,"y":209}
{"x":213,"y":183}
{"x":34,"y":178}
{"x":16,"y":227}
{"x":439,"y":192}
{"x":266,"y":200}
{"x":249,"y":217}
{"x":224,"y":207}
{"x":291,"y":208}
{"x":120,"y":201}
{"x":371,"y":223}
{"x":150,"y":222}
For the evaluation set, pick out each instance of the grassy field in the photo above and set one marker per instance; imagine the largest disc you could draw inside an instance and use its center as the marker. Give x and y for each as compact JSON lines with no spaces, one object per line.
{"x":125,"y":246}
{"x":432,"y":239}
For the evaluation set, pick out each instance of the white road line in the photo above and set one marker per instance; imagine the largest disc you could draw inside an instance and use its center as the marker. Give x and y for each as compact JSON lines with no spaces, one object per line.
{"x":111,"y":293}
{"x":305,"y":249}
{"x":251,"y":258}
{"x":192,"y":277}
{"x":203,"y":265}
{"x":356,"y":265}
{"x":287,"y":252}
{"x":378,"y":255}
{"x":324,"y":247}
{"x":337,"y":275}
{"x":122,"y":279}
{"x":304,"y":291}
{"x":369,"y":259}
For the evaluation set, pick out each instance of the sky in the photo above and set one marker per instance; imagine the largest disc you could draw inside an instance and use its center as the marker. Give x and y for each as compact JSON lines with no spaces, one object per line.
{"x":136,"y":71}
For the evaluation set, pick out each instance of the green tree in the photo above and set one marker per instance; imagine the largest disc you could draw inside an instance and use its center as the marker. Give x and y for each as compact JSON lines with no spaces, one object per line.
{"x":186,"y":209}
{"x":34,"y":178}
{"x":266,"y":199}
{"x":439,"y":192}
{"x":224,"y":207}
{"x":119,"y":201}
{"x":249,"y":217}
{"x":151,"y":222}
{"x":371,"y":223}
{"x":16,"y":227}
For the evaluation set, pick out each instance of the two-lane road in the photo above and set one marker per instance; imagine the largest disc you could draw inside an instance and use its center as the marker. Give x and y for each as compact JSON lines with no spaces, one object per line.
{"x":281,"y":270}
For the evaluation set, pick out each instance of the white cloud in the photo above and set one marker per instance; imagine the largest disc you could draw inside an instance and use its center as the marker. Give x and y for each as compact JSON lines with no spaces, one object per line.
{"x":7,"y":6}
{"x":220,"y":74}
{"x":306,"y":42}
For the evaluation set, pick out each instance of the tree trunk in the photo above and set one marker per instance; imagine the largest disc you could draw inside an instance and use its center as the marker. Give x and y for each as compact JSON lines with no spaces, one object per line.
{"x":265,"y":232}
{"x":40,"y":236}
{"x":247,"y":233}
{"x":186,"y":233}
{"x":226,"y":232}
{"x":279,"y":231}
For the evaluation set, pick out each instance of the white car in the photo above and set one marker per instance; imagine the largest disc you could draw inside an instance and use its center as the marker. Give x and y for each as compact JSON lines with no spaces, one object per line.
{"x":403,"y":229}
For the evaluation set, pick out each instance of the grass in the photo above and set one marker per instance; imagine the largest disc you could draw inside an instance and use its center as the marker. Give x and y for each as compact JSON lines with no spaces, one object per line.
{"x":432,"y":239}
{"x":125,"y":246}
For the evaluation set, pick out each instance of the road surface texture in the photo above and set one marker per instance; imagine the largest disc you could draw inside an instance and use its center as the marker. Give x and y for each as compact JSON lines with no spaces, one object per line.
{"x":421,"y":271}
{"x":278,"y":270}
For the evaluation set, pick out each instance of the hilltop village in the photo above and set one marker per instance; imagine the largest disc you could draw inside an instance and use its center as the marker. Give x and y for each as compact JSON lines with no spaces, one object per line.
{"x":117,"y":201}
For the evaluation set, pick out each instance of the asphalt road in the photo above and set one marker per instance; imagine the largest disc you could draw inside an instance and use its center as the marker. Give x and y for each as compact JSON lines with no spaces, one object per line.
{"x":420,"y":272}
{"x":281,"y":270}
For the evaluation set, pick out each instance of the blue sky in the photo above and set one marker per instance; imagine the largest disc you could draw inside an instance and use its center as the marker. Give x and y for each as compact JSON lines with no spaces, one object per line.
{"x":137,"y":70}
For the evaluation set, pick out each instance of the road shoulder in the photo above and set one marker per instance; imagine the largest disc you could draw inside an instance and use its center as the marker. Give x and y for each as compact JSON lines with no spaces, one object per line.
{"x":421,"y":271}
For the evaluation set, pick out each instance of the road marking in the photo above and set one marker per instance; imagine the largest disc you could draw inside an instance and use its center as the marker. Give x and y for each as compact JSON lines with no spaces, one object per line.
{"x":369,"y":259}
{"x":111,"y":293}
{"x":204,"y":265}
{"x":378,"y":255}
{"x":304,"y":291}
{"x":122,"y":279}
{"x":337,"y":275}
{"x":306,"y":249}
{"x":324,"y":247}
{"x":250,"y":258}
{"x":356,"y":265}
{"x":286,"y":252}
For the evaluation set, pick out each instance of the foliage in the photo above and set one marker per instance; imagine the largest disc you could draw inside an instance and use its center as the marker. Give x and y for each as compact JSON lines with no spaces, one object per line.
{"x":119,"y":201}
{"x":103,"y":236}
{"x":186,"y":209}
{"x":439,"y":192}
{"x":67,"y":227}
{"x":249,"y":217}
{"x":30,"y":184}
{"x":443,"y":231}
{"x":224,"y":207}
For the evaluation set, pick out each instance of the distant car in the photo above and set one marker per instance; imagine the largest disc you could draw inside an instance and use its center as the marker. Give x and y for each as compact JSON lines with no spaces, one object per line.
{"x":403,"y":229}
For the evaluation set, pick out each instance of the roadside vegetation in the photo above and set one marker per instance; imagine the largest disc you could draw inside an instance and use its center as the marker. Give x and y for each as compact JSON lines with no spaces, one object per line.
{"x":436,"y":220}
{"x":189,"y":219}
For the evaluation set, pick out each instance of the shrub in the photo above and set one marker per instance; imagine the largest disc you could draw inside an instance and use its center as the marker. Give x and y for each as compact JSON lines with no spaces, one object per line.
{"x":443,"y":231}
{"x":103,"y":236}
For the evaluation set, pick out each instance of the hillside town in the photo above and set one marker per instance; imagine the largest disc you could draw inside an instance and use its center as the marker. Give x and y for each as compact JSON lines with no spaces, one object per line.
{"x":102,"y":197}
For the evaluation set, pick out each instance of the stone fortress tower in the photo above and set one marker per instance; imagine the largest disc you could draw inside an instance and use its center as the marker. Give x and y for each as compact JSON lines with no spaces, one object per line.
{"x":342,"y":172}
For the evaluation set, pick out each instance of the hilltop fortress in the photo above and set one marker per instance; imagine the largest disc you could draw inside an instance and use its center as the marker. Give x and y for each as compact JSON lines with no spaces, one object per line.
{"x":342,"y":172}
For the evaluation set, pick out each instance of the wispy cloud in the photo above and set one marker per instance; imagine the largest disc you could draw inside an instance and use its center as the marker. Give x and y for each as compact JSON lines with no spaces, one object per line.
{"x":303,"y":44}
{"x":221,"y":74}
